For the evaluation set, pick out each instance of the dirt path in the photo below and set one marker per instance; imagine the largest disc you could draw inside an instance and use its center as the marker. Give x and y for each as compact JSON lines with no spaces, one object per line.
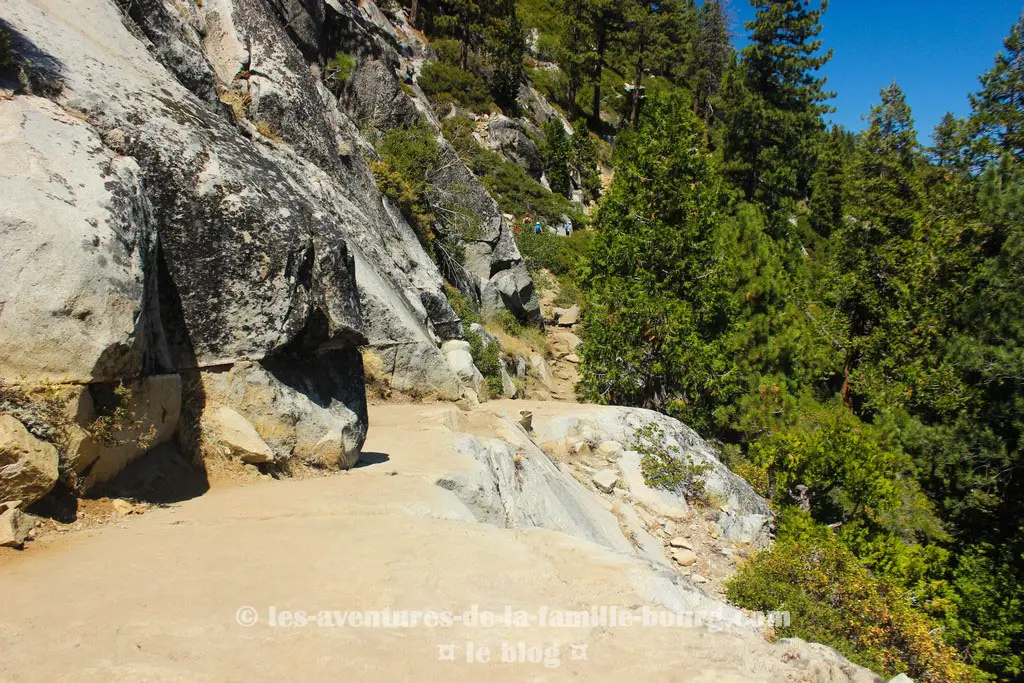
{"x":155,"y":597}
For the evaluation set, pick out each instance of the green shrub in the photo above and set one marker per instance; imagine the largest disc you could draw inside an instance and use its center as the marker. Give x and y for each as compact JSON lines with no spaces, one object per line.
{"x":409,"y":156}
{"x":338,"y":71}
{"x":834,"y":600}
{"x":462,"y":306}
{"x":6,"y":51}
{"x":664,"y":467}
{"x":449,"y":50}
{"x":487,"y":358}
{"x":557,"y":254}
{"x":569,"y":293}
{"x":506,"y":321}
{"x":445,"y":83}
{"x":512,"y":187}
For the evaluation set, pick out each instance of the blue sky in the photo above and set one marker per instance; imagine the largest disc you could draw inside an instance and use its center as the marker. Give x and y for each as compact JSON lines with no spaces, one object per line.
{"x":934,"y":49}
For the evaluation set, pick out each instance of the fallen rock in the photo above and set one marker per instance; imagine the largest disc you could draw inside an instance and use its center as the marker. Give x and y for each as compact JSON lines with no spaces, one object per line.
{"x":902,"y":678}
{"x":605,"y":480}
{"x":680,"y":543}
{"x":542,"y":371}
{"x":572,"y":358}
{"x":684,"y":557}
{"x":697,"y":578}
{"x":609,"y":449}
{"x":15,"y":526}
{"x":28,"y":466}
{"x":460,"y":359}
{"x":562,"y":343}
{"x":567,"y":317}
{"x":225,"y":430}
{"x":306,"y":407}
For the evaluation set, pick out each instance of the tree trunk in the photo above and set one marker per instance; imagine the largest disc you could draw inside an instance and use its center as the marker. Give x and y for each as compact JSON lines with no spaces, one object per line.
{"x":635,"y":115}
{"x":414,"y":13}
{"x":574,"y":76}
{"x":845,"y":391}
{"x":602,"y":45}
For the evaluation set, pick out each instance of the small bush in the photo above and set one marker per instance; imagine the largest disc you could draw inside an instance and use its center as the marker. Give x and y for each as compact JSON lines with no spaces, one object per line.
{"x":449,"y":50}
{"x":239,"y":103}
{"x":569,"y":293}
{"x":444,"y":83}
{"x":6,"y":51}
{"x":119,"y":425}
{"x":560,"y":255}
{"x":409,"y":156}
{"x":664,"y":467}
{"x":512,"y":187}
{"x":506,"y":321}
{"x":462,"y":306}
{"x":338,"y":71}
{"x":267,"y":130}
{"x":834,"y":600}
{"x":487,"y":358}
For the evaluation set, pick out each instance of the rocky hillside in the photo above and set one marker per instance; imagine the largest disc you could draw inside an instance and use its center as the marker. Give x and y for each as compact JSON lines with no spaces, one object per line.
{"x":188,"y":209}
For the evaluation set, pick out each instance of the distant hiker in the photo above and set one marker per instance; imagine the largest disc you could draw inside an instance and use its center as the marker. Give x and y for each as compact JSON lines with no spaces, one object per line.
{"x":537,"y":228}
{"x":568,"y":229}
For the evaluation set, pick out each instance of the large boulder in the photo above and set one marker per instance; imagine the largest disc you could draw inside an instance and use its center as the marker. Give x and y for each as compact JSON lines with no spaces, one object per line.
{"x":226,"y":432}
{"x":28,"y":466}
{"x":508,"y":138}
{"x":461,"y":361}
{"x":308,"y":407}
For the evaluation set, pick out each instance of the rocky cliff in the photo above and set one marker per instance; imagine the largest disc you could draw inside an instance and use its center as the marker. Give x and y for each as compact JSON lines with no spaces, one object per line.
{"x":186,"y":207}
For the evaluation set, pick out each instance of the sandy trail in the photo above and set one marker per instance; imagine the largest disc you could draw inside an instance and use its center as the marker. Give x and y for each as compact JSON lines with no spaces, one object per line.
{"x":155,"y":597}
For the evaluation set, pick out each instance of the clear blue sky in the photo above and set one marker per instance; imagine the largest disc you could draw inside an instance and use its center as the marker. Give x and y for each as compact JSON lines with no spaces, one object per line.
{"x":934,"y":49}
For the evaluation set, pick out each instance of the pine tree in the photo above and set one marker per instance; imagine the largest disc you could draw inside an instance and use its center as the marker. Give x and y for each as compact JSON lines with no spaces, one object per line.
{"x":885,"y":167}
{"x":574,"y":55}
{"x":772,"y":148}
{"x":998,"y":109}
{"x":557,"y":156}
{"x":646,"y":43}
{"x":658,"y":299}
{"x":828,"y":183}
{"x":877,"y":253}
{"x":605,"y":17}
{"x":948,"y":143}
{"x":710,"y":57}
{"x":506,"y":45}
{"x":583,"y":153}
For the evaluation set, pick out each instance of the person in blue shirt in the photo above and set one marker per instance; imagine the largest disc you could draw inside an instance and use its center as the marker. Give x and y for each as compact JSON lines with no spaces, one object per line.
{"x":536,"y":228}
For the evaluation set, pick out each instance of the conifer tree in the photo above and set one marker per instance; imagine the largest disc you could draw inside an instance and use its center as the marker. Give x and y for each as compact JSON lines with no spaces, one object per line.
{"x":998,"y":109}
{"x":574,"y":55}
{"x":771,"y":148}
{"x":605,"y":17}
{"x":557,"y":157}
{"x":885,"y":167}
{"x":506,"y":46}
{"x":828,"y":183}
{"x":710,"y":57}
{"x":584,"y":160}
{"x":658,"y":296}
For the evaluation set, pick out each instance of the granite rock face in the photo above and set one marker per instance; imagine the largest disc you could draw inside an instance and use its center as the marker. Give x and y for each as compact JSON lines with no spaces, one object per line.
{"x":207,"y":203}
